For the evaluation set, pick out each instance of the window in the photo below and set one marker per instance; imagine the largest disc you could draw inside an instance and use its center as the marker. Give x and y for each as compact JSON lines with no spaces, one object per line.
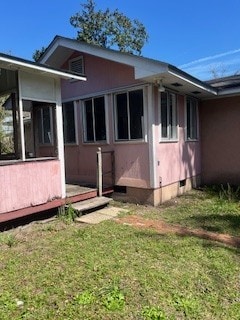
{"x":129,"y":115}
{"x":69,"y":129}
{"x":168,"y":116}
{"x":94,"y":120}
{"x":45,"y":126}
{"x":77,"y":65}
{"x":192,"y":119}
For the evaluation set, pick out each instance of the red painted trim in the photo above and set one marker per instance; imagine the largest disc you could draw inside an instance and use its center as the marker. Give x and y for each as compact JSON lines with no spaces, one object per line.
{"x":8,"y":216}
{"x":4,"y":217}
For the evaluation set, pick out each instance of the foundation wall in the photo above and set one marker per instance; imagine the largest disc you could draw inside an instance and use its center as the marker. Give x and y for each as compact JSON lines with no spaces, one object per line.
{"x":158,"y":196}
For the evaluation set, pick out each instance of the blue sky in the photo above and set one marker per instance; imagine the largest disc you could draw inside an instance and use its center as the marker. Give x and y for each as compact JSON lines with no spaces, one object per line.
{"x":197,"y":36}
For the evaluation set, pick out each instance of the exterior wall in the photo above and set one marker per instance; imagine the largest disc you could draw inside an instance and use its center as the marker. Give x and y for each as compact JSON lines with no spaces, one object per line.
{"x":131,"y":158}
{"x":178,"y":160}
{"x":220,"y":134}
{"x":101,"y":75}
{"x":27,"y":184}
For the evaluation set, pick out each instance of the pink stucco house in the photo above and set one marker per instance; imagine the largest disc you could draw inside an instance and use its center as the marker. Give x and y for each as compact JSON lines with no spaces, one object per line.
{"x":142,"y":110}
{"x":158,"y":131}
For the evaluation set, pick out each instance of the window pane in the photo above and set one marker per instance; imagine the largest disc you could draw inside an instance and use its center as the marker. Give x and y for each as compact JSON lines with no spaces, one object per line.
{"x":172,"y":117}
{"x":46,"y":125}
{"x":99,"y":113}
{"x":122,"y":116}
{"x":191,"y":119}
{"x":89,"y":120}
{"x":69,"y":123}
{"x":164,"y":115}
{"x":136,"y":114}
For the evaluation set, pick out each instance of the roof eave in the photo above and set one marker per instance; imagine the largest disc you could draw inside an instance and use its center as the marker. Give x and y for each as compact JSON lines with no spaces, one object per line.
{"x":21,"y":64}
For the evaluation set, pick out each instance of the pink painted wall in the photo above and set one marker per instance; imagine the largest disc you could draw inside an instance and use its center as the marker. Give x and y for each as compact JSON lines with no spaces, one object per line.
{"x":177,"y":160}
{"x":131,"y":159}
{"x":27,"y":184}
{"x":101,"y":75}
{"x":220,"y":134}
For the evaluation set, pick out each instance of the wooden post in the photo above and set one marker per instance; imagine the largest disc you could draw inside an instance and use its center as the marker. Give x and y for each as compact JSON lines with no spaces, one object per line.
{"x":99,"y":172}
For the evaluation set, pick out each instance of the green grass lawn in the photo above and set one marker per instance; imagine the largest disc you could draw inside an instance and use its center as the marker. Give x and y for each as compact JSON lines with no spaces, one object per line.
{"x":114,"y":271}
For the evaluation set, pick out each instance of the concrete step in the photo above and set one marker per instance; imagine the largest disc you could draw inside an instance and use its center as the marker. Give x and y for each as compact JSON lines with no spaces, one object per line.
{"x":101,"y":215}
{"x":91,"y":204}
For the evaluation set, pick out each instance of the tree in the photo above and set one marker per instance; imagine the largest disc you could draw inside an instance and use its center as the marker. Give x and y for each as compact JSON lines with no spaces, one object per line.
{"x":38,"y":53}
{"x":109,"y":29}
{"x":106,"y":29}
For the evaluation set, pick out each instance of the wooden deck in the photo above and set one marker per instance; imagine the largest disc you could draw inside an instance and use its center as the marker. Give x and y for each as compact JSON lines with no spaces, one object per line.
{"x":74,"y":193}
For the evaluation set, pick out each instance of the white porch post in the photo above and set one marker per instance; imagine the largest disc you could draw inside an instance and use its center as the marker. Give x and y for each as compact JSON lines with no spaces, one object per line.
{"x":20,"y":103}
{"x":60,"y":139}
{"x":152,"y":141}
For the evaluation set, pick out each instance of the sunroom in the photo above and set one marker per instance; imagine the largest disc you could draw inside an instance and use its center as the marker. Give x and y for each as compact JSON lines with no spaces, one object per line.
{"x":32,"y":173}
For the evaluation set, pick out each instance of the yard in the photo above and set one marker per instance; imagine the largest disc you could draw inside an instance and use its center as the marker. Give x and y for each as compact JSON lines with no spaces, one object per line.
{"x":127,"y":269}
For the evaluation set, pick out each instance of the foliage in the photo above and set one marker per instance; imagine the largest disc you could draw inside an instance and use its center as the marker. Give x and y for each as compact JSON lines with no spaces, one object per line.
{"x":6,"y":141}
{"x":153,"y":313}
{"x":67,"y":214}
{"x":229,"y":193}
{"x":114,"y":299}
{"x":38,"y":53}
{"x":109,"y":29}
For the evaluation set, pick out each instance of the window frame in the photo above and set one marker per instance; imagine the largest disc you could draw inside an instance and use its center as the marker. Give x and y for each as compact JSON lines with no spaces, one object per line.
{"x":174,"y":123}
{"x":196,"y":129}
{"x":42,"y":141}
{"x":143,"y":117}
{"x":84,"y":121}
{"x":76,"y":142}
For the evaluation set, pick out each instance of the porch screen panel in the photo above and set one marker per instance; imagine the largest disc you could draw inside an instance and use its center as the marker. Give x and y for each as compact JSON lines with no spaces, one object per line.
{"x":122,"y":116}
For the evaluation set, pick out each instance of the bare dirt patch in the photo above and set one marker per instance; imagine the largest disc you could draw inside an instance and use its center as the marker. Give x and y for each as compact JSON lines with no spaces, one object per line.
{"x":164,"y":228}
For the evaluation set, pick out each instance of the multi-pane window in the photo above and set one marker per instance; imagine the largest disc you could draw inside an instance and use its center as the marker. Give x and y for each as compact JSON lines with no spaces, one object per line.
{"x":69,"y":122}
{"x":168,"y":116}
{"x":45,"y":125}
{"x":94,"y":120}
{"x":129,"y":115}
{"x":192,"y":119}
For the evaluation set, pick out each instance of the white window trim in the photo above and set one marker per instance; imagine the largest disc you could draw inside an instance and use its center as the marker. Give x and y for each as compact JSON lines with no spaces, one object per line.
{"x":185,"y":119}
{"x":144,"y":118}
{"x":76,"y":59}
{"x":75,"y":126}
{"x":84,"y":139}
{"x":168,"y":138}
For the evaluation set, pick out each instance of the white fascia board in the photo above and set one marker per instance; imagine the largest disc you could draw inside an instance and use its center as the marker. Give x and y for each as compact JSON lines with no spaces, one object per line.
{"x":193,"y":83}
{"x":18,"y":65}
{"x":143,"y":66}
{"x":229,"y":91}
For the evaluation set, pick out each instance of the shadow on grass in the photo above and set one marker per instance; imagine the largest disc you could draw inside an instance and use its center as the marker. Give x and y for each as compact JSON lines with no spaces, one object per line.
{"x":212,"y":241}
{"x":227,"y":223}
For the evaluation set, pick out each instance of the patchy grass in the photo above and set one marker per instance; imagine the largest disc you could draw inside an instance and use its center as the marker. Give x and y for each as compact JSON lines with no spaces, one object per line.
{"x":207,"y":209}
{"x":114,"y":271}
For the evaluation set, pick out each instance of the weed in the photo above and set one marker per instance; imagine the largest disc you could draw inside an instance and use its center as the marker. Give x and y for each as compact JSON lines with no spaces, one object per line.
{"x":68,"y":214}
{"x":229,"y":193}
{"x":9,"y":239}
{"x":114,"y":299}
{"x":153,"y":313}
{"x":85,"y":298}
{"x":187,"y":305}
